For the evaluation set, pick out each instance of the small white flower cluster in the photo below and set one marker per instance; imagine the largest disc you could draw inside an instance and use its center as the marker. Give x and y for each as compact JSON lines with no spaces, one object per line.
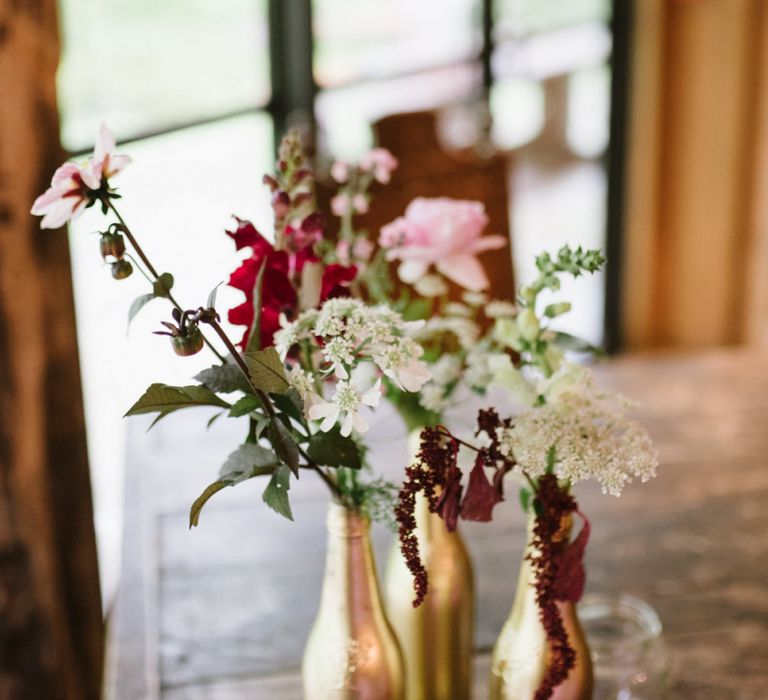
{"x":464,"y":329}
{"x":344,"y":334}
{"x":588,"y":436}
{"x":445,"y":372}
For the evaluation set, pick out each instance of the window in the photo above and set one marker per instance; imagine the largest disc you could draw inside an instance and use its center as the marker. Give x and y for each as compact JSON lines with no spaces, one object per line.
{"x":188,"y":82}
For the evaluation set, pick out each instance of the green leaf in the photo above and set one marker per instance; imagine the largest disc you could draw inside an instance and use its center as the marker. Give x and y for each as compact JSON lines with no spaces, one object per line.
{"x":202,"y":499}
{"x":138,"y":304}
{"x":276,"y":493}
{"x":525,"y":498}
{"x":244,"y":406}
{"x":162,"y":398}
{"x":291,"y":404}
{"x":157,"y":419}
{"x":417,"y":310}
{"x":163,"y":285}
{"x":213,"y":419}
{"x":566,"y":341}
{"x":211,"y":303}
{"x":267,"y":371}
{"x":332,"y":449}
{"x":284,"y":445}
{"x":223,"y":379}
{"x":254,"y":339}
{"x":551,"y":459}
{"x":247,"y":461}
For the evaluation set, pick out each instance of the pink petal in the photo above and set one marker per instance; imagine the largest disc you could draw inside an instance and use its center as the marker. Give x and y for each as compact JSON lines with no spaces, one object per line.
{"x":91,"y":175}
{"x":44,"y":201}
{"x":118,"y":163}
{"x":59,"y":213}
{"x":65,"y":173}
{"x":488,"y":243}
{"x":105,"y":143}
{"x":464,"y":270}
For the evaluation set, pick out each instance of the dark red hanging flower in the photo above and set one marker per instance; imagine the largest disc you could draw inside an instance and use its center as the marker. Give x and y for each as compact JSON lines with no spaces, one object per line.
{"x":559,"y":573}
{"x":481,"y":496}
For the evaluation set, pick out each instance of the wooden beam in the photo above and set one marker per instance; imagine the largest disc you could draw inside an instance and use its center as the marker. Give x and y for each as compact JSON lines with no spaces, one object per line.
{"x":691,"y":171}
{"x":50,"y":608}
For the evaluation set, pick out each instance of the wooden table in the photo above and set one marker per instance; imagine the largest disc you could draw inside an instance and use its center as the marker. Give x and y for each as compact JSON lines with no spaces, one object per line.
{"x":222,"y":612}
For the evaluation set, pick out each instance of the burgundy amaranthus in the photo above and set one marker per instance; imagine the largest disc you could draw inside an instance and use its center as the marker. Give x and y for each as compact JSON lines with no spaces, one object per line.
{"x":553,"y":504}
{"x":437,"y":475}
{"x":436,"y":456}
{"x":557,"y":564}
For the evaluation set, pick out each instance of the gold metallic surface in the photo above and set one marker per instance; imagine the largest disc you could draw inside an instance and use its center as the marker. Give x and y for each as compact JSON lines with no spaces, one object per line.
{"x":520,"y":655}
{"x":437,"y":637}
{"x":352,"y":652}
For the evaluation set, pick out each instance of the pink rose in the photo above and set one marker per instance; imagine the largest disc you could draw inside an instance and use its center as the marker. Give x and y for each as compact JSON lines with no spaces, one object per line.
{"x":443,"y":232}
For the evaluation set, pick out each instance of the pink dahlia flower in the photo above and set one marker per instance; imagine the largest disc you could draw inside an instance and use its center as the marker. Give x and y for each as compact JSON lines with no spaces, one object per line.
{"x":443,"y":232}
{"x":75,"y":187}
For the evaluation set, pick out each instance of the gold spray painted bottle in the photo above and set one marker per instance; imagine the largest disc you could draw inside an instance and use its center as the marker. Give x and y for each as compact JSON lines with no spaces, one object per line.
{"x":352,"y":652}
{"x":520,"y":656}
{"x":437,"y":637}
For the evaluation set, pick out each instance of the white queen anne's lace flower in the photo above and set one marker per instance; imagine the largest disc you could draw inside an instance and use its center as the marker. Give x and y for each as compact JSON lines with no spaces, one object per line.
{"x":344,"y":334}
{"x":588,"y":435}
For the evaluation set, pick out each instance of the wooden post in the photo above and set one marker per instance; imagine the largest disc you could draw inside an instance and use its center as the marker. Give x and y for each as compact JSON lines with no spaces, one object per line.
{"x":695,"y":180}
{"x":50,"y":607}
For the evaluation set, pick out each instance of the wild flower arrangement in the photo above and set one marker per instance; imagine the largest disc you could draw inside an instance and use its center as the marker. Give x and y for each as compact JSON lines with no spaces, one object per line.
{"x":311,"y":357}
{"x":568,"y":431}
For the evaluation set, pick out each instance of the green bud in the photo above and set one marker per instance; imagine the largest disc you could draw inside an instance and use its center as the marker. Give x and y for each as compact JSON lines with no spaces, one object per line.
{"x":554,"y":310}
{"x":121,"y":269}
{"x":506,"y":332}
{"x":188,"y":344}
{"x":528,"y":325}
{"x":528,"y":294}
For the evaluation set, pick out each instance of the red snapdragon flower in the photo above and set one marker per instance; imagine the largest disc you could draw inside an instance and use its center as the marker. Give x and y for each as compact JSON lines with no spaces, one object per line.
{"x":282,"y":275}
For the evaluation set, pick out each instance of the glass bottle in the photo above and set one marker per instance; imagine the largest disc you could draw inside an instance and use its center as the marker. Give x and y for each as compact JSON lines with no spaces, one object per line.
{"x":520,"y":656}
{"x":437,"y":637}
{"x":352,"y":651}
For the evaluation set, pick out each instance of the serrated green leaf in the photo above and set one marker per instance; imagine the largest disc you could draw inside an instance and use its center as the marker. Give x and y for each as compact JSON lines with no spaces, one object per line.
{"x":247,"y":461}
{"x":244,"y":406}
{"x":223,"y":379}
{"x":211,"y":303}
{"x":284,"y":445}
{"x":266,"y":371}
{"x":162,"y":398}
{"x":276,"y":493}
{"x":163,"y":285}
{"x":291,"y":404}
{"x":332,"y":449}
{"x":202,"y":499}
{"x":254,"y":339}
{"x":138,"y":304}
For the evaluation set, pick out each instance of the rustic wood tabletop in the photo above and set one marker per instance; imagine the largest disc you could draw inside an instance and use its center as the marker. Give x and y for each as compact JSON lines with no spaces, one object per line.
{"x":222,"y":612}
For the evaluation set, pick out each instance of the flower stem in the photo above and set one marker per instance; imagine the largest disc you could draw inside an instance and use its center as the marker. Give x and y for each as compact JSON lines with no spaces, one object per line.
{"x":150,"y":267}
{"x":266,"y":401}
{"x":270,"y":409}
